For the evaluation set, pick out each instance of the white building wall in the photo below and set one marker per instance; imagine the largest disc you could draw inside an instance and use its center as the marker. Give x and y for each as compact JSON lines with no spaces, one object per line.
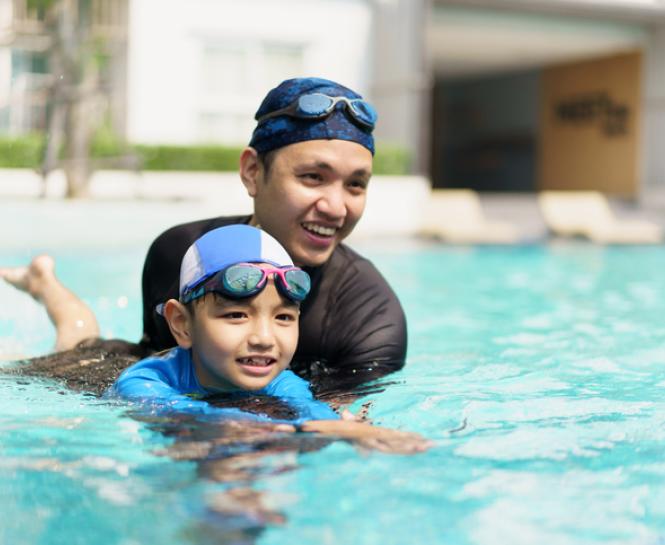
{"x":6,"y":12}
{"x":198,"y":69}
{"x":5,"y":59}
{"x":5,"y":76}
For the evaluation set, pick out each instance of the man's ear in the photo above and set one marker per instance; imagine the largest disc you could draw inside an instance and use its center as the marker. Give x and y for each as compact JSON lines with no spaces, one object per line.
{"x":180,"y":322}
{"x":250,"y":170}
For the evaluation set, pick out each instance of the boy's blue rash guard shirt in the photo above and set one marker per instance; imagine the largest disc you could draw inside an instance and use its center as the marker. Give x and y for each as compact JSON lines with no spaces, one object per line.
{"x":168,"y":381}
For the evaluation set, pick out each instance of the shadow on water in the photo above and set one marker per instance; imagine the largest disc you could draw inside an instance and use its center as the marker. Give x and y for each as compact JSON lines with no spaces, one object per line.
{"x":234,"y":454}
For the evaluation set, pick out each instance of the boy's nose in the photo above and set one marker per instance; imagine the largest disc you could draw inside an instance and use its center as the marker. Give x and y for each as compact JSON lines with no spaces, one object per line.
{"x":261,"y":336}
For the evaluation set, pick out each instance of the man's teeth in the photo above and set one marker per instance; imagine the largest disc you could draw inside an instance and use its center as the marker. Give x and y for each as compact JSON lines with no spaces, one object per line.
{"x":256,"y":361}
{"x":320,"y":229}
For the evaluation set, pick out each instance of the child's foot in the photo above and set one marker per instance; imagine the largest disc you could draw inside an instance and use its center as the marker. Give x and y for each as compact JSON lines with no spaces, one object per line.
{"x":32,"y":279}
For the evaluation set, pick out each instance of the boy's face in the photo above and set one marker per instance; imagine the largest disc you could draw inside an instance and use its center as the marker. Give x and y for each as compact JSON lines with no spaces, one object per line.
{"x":243,"y":344}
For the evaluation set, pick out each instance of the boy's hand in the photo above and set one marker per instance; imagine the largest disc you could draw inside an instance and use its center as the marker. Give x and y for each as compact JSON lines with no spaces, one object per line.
{"x":348,"y":416}
{"x":373,"y":437}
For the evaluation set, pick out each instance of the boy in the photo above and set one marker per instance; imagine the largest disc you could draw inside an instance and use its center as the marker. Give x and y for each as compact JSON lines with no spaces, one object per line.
{"x":236,"y":326}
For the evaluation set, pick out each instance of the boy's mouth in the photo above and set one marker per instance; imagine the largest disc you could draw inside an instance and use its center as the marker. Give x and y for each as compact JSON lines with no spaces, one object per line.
{"x":256,"y":361}
{"x":257,"y":366}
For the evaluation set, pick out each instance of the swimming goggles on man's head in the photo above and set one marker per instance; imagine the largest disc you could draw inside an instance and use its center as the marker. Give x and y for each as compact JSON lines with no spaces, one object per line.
{"x":246,"y":279}
{"x":318,"y":105}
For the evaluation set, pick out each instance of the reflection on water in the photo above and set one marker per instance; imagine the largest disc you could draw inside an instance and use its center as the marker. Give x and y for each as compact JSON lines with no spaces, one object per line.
{"x":537,"y":371}
{"x":236,"y":454}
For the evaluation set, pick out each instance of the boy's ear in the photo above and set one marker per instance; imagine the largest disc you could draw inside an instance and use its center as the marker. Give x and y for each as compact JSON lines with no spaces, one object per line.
{"x":250,"y":170}
{"x":180,"y":322}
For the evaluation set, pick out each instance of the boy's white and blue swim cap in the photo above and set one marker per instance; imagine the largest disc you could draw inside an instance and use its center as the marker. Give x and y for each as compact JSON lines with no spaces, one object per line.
{"x":226,"y":246}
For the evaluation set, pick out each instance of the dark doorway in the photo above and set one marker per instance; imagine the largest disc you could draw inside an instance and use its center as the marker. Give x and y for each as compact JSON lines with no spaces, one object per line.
{"x":485,"y":131}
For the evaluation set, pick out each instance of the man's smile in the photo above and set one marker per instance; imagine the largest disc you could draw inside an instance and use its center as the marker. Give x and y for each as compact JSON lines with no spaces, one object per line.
{"x":318,"y":229}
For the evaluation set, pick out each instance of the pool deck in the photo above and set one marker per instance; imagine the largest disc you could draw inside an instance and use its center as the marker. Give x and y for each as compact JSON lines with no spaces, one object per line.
{"x":521,"y":209}
{"x":123,"y":204}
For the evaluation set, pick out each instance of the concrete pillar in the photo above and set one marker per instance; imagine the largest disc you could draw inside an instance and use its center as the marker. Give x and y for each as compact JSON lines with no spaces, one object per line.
{"x":653,"y":114}
{"x":401,"y":78}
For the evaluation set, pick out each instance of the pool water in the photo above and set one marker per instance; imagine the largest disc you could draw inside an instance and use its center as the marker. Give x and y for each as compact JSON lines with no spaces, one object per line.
{"x":538,"y":371}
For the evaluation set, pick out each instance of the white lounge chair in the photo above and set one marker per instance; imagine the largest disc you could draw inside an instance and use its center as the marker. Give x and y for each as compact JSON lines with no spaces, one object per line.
{"x":456,"y":216}
{"x":588,"y":214}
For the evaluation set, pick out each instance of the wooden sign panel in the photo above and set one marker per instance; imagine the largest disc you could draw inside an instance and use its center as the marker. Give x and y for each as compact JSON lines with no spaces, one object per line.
{"x":590,"y":125}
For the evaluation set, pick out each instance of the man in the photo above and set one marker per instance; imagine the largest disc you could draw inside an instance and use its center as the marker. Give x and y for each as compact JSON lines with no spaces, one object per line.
{"x":307,"y":167}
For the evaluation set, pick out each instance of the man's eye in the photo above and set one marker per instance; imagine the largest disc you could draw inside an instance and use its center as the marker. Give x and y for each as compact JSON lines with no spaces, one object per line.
{"x":357,"y":185}
{"x":286,"y":317}
{"x":312,"y":176}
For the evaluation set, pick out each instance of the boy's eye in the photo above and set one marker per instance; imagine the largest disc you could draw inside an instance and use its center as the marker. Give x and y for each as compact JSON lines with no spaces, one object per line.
{"x":287,"y":317}
{"x":234,"y":315}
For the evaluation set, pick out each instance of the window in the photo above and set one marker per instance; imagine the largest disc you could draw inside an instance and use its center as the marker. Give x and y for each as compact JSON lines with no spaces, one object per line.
{"x":281,"y":62}
{"x":234,"y":79}
{"x":224,"y":71}
{"x":26,"y":110}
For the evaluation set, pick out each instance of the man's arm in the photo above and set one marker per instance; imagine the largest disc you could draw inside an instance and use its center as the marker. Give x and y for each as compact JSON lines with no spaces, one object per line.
{"x":161,"y":274}
{"x":370,"y":323}
{"x":359,"y":325}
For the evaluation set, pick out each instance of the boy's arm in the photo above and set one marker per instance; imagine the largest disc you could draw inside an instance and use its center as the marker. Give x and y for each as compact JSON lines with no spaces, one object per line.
{"x":296,"y":392}
{"x":152,"y":389}
{"x":147,"y":386}
{"x":318,"y":417}
{"x":374,"y":437}
{"x":139,"y":383}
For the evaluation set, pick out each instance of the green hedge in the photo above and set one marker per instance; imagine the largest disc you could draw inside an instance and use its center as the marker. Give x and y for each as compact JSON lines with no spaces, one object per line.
{"x":221,"y":158}
{"x":25,"y":152}
{"x":390,"y":159}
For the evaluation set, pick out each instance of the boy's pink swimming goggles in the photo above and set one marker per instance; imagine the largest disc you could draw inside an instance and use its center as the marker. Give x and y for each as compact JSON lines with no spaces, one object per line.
{"x":246,"y":279}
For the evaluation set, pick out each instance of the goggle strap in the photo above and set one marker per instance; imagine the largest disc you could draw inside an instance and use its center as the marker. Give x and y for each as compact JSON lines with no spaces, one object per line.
{"x":190,"y":295}
{"x":295,"y":110}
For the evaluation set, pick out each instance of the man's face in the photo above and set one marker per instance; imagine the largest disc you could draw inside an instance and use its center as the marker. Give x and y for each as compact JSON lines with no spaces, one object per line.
{"x":312,"y":196}
{"x":243,"y":344}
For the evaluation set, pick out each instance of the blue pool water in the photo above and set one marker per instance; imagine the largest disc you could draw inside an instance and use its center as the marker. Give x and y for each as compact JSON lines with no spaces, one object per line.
{"x":538,"y":371}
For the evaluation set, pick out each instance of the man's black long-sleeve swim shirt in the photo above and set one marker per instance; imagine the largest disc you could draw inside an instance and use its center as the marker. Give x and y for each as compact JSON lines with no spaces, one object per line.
{"x":352,"y":326}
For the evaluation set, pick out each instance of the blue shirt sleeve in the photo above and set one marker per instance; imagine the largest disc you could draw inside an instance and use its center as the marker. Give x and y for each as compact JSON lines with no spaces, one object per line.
{"x":150,"y":387}
{"x":297,"y":394}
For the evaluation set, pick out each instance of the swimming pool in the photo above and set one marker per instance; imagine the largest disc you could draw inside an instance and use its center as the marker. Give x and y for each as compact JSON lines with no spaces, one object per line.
{"x":539,"y":372}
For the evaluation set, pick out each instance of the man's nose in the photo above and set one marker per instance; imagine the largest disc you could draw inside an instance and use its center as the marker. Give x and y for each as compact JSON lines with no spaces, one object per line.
{"x":332,"y":203}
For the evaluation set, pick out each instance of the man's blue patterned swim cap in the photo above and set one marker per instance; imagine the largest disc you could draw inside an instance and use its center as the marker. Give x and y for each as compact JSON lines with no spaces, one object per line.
{"x":283,"y":130}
